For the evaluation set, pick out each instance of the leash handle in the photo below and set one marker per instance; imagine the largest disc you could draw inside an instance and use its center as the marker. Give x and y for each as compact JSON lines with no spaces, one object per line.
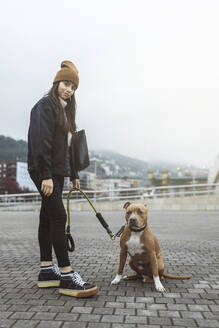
{"x":70,"y":241}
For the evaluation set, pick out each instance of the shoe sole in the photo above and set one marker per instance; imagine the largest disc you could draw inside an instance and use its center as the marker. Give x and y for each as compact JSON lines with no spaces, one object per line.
{"x":52,"y":283}
{"x":79,"y":293}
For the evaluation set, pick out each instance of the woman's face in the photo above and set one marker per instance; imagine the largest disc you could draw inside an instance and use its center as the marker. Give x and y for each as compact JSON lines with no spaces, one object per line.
{"x":66,"y":89}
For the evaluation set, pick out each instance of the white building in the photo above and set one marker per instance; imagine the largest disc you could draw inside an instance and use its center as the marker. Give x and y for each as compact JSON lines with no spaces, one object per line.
{"x":23,"y":178}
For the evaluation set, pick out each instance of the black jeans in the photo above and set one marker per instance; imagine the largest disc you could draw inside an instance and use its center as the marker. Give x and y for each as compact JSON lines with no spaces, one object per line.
{"x":52,"y":222}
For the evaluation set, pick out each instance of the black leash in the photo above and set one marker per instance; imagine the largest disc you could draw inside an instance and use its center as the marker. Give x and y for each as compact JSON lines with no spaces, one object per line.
{"x":71,"y":244}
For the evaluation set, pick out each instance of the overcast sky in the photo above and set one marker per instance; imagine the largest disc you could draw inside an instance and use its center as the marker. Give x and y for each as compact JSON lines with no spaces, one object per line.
{"x":149,"y":72}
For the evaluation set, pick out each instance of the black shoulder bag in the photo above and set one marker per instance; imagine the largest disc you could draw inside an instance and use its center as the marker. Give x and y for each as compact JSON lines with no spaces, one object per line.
{"x":79,"y":150}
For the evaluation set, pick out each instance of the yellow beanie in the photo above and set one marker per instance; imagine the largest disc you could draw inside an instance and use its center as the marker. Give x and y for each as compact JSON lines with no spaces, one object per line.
{"x":68,"y":72}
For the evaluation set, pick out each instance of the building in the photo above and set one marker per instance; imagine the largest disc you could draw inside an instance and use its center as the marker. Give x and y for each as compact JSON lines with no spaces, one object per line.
{"x":15,"y":172}
{"x":87,"y":181}
{"x":3,"y":175}
{"x":117,"y":183}
{"x":172,"y":178}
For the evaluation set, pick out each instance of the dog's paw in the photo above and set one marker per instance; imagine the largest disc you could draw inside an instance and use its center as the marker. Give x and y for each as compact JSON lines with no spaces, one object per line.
{"x":158,"y":285}
{"x":116,"y":280}
{"x":160,"y":289}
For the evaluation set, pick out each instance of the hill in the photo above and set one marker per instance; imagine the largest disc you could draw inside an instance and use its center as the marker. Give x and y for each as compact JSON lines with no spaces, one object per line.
{"x":109,"y":163}
{"x":12,"y":150}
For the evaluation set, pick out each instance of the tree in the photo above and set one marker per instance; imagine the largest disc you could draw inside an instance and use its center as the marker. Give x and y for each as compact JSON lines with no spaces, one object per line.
{"x":11,"y":186}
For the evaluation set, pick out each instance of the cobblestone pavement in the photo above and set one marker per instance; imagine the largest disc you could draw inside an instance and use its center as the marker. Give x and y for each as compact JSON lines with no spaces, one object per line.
{"x":190,"y":245}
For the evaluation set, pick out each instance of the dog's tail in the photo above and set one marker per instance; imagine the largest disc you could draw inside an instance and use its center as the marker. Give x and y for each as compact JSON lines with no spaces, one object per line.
{"x":171,"y":276}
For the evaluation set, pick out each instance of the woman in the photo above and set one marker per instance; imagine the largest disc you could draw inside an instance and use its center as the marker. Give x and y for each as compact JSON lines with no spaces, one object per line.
{"x":52,"y":123}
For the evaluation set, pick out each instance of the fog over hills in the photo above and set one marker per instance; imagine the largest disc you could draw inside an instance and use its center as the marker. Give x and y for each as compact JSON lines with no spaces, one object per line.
{"x":103,"y":162}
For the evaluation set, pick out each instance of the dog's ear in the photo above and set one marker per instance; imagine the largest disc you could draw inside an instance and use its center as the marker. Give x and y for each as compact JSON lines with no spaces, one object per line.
{"x":145,"y":205}
{"x":126,"y":205}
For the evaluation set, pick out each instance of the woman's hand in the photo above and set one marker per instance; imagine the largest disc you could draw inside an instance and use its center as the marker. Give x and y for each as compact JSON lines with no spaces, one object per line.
{"x":76,"y":183}
{"x":47,"y":187}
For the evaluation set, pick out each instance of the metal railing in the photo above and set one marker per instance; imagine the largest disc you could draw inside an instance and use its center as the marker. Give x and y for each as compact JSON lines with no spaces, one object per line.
{"x":119,"y":194}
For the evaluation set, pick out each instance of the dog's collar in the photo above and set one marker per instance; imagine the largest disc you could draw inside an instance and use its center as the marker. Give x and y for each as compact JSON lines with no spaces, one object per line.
{"x":138,"y":229}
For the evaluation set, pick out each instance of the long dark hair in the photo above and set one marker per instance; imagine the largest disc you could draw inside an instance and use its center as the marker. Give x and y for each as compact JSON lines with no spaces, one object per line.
{"x":65,"y":117}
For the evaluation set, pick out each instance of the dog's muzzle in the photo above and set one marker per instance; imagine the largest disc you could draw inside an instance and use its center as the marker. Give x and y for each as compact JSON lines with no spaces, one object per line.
{"x":133,"y":222}
{"x":133,"y":225}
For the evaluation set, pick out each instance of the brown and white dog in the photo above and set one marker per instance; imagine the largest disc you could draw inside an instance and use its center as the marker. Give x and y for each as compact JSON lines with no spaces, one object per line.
{"x":138,"y":241}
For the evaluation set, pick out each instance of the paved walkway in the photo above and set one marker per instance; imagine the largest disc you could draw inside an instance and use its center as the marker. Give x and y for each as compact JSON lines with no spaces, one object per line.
{"x":190,"y":244}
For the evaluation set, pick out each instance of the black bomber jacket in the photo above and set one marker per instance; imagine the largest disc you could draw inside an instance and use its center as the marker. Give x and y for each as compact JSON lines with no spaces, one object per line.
{"x":48,"y":151}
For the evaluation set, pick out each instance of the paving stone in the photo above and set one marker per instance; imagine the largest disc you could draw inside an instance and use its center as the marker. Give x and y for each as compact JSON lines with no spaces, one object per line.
{"x":67,"y":316}
{"x":19,"y":308}
{"x":98,"y":325}
{"x":44,"y":316}
{"x":116,"y":304}
{"x":49,"y":324}
{"x":81,"y":309}
{"x":40,"y":308}
{"x":164,"y":300}
{"x":4,"y":307}
{"x":211,"y":315}
{"x":76,"y":324}
{"x":136,"y":319}
{"x":5,"y":315}
{"x":177,"y":307}
{"x":195,"y":307}
{"x":104,"y":311}
{"x":125,"y":299}
{"x":209,"y":302}
{"x":148,"y":326}
{"x":6,"y":323}
{"x":169,"y":314}
{"x":22,"y":315}
{"x":156,"y":306}
{"x":192,"y":315}
{"x":89,"y":317}
{"x":70,"y":301}
{"x":125,"y":311}
{"x":214,"y":307}
{"x":96,"y":303}
{"x":172,"y":295}
{"x":36,"y":302}
{"x":123,"y":325}
{"x":28,"y":324}
{"x":59,"y":308}
{"x":208,"y":323}
{"x":112,"y":318}
{"x":184,"y":301}
{"x":184,"y":322}
{"x":144,"y":300}
{"x":159,"y":321}
{"x":135,"y":305}
{"x":176,"y":326}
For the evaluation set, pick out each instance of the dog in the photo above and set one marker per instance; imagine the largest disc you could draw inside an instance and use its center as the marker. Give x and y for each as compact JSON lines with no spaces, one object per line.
{"x":138,"y":241}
